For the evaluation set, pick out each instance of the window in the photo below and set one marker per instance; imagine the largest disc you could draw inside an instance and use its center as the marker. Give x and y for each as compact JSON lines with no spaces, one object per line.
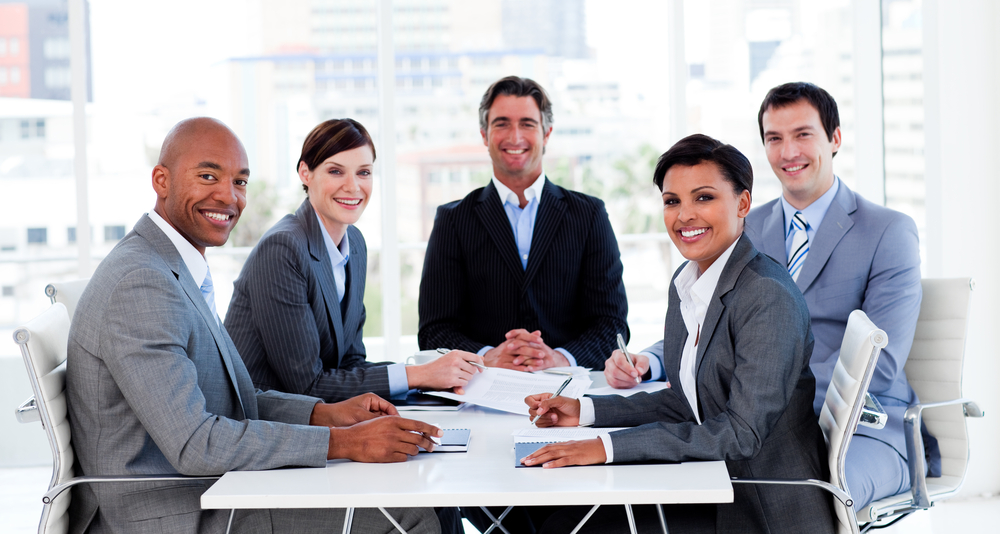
{"x":25,"y":129}
{"x":8,"y":291}
{"x":3,"y":75}
{"x":71,"y":235}
{"x":57,"y":77}
{"x":56,"y":48}
{"x":38,"y":236}
{"x":15,"y":46}
{"x":40,"y":128}
{"x":15,"y":75}
{"x":113,"y":233}
{"x":3,"y":46}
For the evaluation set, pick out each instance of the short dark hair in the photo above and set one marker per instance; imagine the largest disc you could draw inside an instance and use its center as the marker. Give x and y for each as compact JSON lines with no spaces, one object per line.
{"x":516,"y":86}
{"x":791,"y":93}
{"x":700,"y":148}
{"x":332,"y":137}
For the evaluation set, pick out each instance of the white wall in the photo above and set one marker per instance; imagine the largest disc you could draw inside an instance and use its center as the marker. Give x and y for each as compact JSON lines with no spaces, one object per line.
{"x":962,"y":86}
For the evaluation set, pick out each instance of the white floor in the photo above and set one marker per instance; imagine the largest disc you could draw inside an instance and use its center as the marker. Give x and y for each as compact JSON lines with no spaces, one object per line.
{"x":21,"y":506}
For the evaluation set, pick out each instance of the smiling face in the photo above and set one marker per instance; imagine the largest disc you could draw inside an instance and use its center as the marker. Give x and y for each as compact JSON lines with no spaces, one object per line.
{"x":201,"y":185}
{"x":702,"y":213}
{"x":339,"y":188}
{"x":516,"y":139}
{"x":799,"y":151}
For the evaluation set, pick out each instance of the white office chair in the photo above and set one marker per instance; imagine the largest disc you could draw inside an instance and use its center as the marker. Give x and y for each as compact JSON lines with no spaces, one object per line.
{"x":43,"y":342}
{"x":934,"y":369}
{"x":68,"y":293}
{"x":859,"y":352}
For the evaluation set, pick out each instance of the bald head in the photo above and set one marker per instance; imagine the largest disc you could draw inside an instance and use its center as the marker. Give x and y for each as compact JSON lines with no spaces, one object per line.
{"x":179,"y":137}
{"x":200,"y":181}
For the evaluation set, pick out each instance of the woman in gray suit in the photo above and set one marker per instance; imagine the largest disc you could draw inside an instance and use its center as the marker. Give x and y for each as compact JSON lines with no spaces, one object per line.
{"x":737,"y":342}
{"x":298,"y":311}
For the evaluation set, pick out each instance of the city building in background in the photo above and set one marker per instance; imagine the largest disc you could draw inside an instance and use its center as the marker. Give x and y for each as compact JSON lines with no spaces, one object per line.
{"x":34,"y":49}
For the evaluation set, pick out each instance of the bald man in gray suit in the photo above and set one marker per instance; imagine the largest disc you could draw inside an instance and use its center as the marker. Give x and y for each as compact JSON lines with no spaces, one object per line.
{"x":155,"y":384}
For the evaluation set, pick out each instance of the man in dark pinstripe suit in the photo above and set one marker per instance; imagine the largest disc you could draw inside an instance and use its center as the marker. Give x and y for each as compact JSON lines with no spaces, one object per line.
{"x":522,"y":271}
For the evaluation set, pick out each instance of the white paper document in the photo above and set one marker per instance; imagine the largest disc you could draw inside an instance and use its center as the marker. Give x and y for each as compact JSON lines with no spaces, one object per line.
{"x":552,"y":435}
{"x":504,"y":389}
{"x":575,"y":370}
{"x":648,"y":387}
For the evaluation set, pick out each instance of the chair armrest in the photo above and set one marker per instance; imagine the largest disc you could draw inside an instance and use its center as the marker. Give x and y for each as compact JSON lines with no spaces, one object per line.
{"x":840,"y":494}
{"x":872,"y":413}
{"x":28,"y":412}
{"x":915,"y":444}
{"x":54,"y":491}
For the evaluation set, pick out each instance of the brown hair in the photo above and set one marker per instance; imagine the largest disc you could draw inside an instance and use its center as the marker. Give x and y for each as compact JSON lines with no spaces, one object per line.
{"x":332,"y":137}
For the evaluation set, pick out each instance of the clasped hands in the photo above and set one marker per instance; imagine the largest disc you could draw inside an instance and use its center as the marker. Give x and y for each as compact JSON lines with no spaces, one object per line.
{"x":561,"y":411}
{"x":524,"y":351}
{"x":367,"y":428}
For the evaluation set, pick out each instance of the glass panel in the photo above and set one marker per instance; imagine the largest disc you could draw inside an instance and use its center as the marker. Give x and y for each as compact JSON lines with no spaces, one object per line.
{"x":903,"y":100}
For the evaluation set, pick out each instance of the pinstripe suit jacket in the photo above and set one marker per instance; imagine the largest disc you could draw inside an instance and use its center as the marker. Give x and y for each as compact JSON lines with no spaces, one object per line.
{"x":755,"y":395}
{"x":286,"y":321}
{"x":154,"y":385}
{"x":474,"y":290}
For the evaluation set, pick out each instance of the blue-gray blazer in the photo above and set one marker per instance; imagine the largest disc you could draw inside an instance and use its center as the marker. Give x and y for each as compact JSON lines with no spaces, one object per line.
{"x":864,"y":256}
{"x":754,"y":393}
{"x":287,"y":323}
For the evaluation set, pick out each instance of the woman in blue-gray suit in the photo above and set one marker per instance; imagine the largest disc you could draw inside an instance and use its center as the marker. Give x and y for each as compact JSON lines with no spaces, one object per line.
{"x":298,"y":311}
{"x":736,"y":354}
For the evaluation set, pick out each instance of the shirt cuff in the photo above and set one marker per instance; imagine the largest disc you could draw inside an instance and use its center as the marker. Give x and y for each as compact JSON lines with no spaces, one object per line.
{"x":484,"y":350}
{"x":569,"y":357}
{"x":609,"y":450}
{"x":587,"y":417}
{"x":655,"y":366}
{"x":398,"y":384}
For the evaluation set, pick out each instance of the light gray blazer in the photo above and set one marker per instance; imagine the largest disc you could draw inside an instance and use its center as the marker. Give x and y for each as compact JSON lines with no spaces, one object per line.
{"x":864,"y":256}
{"x":285,"y":319}
{"x":754,"y":396}
{"x":155,"y":385}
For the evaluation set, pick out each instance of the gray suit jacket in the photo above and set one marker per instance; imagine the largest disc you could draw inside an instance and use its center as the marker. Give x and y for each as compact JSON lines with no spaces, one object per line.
{"x":755,"y":397}
{"x":287,"y":323}
{"x":864,"y":256}
{"x":155,"y":385}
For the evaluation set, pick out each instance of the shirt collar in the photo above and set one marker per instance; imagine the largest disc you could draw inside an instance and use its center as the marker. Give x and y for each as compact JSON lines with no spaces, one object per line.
{"x":195,"y":262}
{"x":703,"y":287}
{"x":814,"y":212}
{"x":338,"y":253}
{"x":533,"y":191}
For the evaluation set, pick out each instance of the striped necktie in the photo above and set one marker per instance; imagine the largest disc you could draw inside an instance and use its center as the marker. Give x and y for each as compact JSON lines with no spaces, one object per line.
{"x":800,"y":245}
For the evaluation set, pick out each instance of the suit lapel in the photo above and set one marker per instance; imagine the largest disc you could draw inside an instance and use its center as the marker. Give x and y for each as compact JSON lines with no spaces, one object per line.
{"x":152,"y":233}
{"x":835,"y":225}
{"x":741,"y":255}
{"x":491,"y":214}
{"x":772,"y":235}
{"x":324,"y":270}
{"x":356,"y":291}
{"x":674,"y":344}
{"x":551,"y":211}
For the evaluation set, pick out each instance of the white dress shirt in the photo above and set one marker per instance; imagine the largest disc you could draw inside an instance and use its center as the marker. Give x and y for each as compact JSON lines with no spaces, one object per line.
{"x":196,"y":264}
{"x":695,"y":291}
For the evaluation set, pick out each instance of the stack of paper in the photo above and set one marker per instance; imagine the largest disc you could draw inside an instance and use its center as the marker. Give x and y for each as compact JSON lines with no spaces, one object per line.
{"x":504,"y":389}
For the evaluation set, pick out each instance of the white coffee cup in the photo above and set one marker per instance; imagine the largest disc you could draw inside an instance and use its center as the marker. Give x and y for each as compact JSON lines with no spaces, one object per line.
{"x":423,"y":356}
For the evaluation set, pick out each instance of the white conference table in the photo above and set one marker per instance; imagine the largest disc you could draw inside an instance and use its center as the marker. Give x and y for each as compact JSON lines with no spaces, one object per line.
{"x":483,"y":476}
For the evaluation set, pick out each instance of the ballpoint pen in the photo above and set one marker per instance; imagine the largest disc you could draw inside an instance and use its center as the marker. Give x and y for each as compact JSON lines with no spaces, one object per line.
{"x":477,"y":364}
{"x":621,"y":347}
{"x":558,"y":391}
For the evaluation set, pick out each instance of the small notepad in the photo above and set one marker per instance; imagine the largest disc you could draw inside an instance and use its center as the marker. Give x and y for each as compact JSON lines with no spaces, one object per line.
{"x":453,"y":440}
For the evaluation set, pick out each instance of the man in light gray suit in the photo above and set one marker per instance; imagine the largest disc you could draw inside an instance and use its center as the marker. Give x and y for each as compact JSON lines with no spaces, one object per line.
{"x":155,"y":384}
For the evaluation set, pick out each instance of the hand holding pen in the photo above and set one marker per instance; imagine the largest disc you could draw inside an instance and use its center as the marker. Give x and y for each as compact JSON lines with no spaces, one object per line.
{"x":541,"y":406}
{"x":624,"y":349}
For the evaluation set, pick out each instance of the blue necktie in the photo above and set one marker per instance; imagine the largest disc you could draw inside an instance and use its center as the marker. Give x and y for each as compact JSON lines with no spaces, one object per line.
{"x":208,"y":292}
{"x":800,"y":245}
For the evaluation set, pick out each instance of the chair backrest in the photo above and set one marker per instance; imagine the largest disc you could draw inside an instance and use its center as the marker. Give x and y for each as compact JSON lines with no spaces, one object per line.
{"x":68,"y":293}
{"x":934,"y":368}
{"x":43,"y":342}
{"x":859,"y":351}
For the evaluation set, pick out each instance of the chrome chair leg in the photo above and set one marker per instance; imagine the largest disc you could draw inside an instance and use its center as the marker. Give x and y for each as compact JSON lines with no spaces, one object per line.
{"x":229,"y":525}
{"x":631,"y":518}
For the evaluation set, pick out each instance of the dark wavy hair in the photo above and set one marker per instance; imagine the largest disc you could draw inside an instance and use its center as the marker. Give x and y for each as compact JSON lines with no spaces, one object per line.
{"x":699,"y":148}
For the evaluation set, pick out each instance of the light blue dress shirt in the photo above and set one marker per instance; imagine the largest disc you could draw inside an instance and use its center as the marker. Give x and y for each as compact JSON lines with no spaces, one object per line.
{"x":522,"y":223}
{"x":339,"y":256}
{"x":813,"y":214}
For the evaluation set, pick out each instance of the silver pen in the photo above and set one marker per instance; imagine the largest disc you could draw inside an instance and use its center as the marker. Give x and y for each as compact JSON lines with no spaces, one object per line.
{"x":558,"y":391}
{"x":477,"y":364}
{"x":621,"y":347}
